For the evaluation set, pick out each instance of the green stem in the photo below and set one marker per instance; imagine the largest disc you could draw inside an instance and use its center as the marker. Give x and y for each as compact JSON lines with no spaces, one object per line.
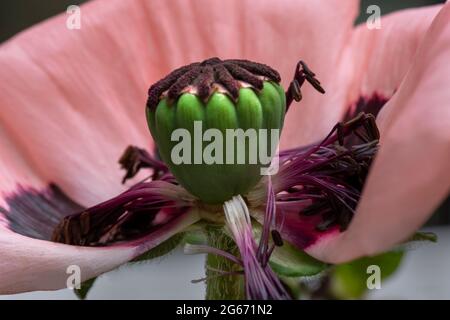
{"x":229,"y":287}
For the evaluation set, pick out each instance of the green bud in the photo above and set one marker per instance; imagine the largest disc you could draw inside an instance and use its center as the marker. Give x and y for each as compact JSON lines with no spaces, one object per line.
{"x":209,"y":160}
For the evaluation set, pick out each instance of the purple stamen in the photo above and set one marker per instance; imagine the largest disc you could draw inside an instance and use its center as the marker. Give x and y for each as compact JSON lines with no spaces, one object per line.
{"x":132,"y":214}
{"x":260,"y":281}
{"x":327,"y":178}
{"x":269,"y":221}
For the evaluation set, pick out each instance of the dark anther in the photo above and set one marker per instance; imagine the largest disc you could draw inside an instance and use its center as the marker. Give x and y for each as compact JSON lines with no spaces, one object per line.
{"x":133,"y":159}
{"x":311,"y":77}
{"x":295,"y":91}
{"x":361,"y":121}
{"x":306,"y":69}
{"x":363,"y":128}
{"x":371,"y":127}
{"x":201,"y":77}
{"x":276,"y":237}
{"x":302,"y":73}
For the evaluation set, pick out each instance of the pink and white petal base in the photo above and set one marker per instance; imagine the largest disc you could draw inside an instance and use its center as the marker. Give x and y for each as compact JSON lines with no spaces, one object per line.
{"x":411,"y":174}
{"x":28,"y":264}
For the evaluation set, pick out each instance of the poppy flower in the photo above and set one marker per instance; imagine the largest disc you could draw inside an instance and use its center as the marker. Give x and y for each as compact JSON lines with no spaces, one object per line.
{"x":72,"y":102}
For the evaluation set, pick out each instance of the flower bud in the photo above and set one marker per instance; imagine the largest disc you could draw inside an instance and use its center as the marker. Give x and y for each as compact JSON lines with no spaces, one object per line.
{"x":217,"y":124}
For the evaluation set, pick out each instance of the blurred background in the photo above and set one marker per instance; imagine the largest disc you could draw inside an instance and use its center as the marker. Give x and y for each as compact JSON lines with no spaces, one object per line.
{"x":424,"y":273}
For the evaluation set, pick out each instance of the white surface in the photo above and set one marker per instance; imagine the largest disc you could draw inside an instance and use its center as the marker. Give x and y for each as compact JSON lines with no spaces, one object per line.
{"x":424,"y":274}
{"x":163,"y":278}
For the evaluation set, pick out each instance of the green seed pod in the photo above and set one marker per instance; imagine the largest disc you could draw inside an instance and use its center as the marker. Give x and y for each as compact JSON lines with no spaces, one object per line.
{"x":216,"y":124}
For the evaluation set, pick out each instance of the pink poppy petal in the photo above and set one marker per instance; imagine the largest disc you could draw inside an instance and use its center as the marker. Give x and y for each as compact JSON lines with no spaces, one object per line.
{"x":72,"y":100}
{"x":411,"y":174}
{"x":310,"y":33}
{"x":380,"y":58}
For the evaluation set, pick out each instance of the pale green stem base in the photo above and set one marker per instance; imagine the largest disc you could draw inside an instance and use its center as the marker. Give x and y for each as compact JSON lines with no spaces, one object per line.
{"x":230,"y":287}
